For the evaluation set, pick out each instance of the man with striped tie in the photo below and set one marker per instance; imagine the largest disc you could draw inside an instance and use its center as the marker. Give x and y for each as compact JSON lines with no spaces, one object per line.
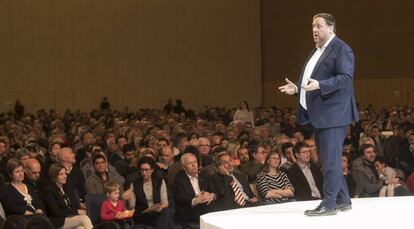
{"x":231,"y":188}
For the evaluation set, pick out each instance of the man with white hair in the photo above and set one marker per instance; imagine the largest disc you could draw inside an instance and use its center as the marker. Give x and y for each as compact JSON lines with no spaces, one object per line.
{"x":192,"y":192}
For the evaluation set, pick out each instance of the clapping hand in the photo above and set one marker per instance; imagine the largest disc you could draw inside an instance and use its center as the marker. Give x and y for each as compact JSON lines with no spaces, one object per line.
{"x":289,"y":88}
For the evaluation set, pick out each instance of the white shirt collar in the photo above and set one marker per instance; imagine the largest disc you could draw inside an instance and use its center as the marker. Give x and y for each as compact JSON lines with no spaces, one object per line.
{"x":326,"y":43}
{"x":191,"y":177}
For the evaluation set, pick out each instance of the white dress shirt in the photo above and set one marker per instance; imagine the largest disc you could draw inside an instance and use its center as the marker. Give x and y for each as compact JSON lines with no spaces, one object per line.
{"x":309,"y":69}
{"x":196,"y":187}
{"x":194,"y":183}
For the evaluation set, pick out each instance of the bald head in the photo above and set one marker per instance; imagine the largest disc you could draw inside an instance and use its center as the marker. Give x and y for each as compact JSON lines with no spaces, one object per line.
{"x":33,"y":169}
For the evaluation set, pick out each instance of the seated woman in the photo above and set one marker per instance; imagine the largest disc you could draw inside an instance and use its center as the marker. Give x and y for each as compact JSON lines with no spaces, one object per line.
{"x":273,"y":184}
{"x":61,"y":202}
{"x":17,"y":197}
{"x":151,"y":207}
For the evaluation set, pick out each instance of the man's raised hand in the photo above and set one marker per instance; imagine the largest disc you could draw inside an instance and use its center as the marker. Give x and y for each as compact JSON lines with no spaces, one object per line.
{"x":289,"y":88}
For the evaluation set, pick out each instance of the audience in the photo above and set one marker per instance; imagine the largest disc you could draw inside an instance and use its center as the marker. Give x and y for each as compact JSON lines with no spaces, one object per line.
{"x":244,"y":114}
{"x":305,"y":177}
{"x":368,"y":182}
{"x":346,"y":172}
{"x":273,"y":184}
{"x":96,"y":182}
{"x":213,"y":136}
{"x":386,"y":174}
{"x":192,"y":192}
{"x":32,"y":175}
{"x":231,"y":188}
{"x":62,"y":204}
{"x":17,"y":197}
{"x":112,"y":207}
{"x":256,"y":163}
{"x":151,"y":207}
{"x":75,"y":178}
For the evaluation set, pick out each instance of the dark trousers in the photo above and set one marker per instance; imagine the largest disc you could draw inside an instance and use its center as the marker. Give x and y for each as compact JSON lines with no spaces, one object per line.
{"x":329,"y":142}
{"x":156,"y":220}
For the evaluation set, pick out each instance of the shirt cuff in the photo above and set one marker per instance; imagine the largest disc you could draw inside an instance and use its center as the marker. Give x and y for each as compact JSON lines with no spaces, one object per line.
{"x":193,"y":202}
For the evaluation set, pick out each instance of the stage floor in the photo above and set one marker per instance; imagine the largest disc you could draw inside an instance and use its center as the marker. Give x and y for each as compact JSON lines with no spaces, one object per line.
{"x":368,"y":213}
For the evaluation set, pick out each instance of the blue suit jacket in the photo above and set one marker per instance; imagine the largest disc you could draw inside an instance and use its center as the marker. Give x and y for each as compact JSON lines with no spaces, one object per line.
{"x":333,"y":105}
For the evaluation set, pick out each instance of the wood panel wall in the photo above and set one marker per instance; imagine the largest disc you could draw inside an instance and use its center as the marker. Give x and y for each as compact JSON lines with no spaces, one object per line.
{"x":70,"y":53}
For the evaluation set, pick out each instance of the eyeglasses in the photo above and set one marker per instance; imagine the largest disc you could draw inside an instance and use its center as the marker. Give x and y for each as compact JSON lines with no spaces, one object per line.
{"x":145,"y":170}
{"x":305,"y":151}
{"x":204,"y":145}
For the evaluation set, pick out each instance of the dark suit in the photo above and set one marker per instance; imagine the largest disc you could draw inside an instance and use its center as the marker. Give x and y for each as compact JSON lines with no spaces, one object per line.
{"x":76,"y":180}
{"x":221,"y":186}
{"x":329,"y":110}
{"x":300,"y":183}
{"x":184,"y":194}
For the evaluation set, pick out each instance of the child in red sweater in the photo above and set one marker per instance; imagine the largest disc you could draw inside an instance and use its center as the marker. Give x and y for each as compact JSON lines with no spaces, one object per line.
{"x":112,"y":209}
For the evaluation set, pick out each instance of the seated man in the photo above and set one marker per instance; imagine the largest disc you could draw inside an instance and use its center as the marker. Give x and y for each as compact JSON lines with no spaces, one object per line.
{"x":367,"y":181}
{"x":191,"y":192}
{"x":165,"y":160}
{"x":287,"y":151}
{"x":75,"y":178}
{"x":95,"y":182}
{"x":231,"y":188}
{"x":33,"y":175}
{"x":124,"y":166}
{"x":305,"y":177}
{"x":256,"y":163}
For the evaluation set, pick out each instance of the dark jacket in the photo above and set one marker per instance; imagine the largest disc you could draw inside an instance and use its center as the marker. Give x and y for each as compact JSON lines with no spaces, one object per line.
{"x":334,"y":103}
{"x":300,"y":183}
{"x":14,"y":203}
{"x":366,"y":180}
{"x":184,"y":194}
{"x":76,"y":180}
{"x":56,"y":207}
{"x":221,"y":186}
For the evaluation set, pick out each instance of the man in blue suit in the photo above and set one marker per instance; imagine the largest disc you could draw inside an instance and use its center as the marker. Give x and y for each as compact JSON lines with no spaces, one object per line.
{"x":326,"y":100}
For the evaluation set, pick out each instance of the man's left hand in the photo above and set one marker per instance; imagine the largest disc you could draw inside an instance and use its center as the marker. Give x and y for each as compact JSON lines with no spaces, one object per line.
{"x":312,"y":85}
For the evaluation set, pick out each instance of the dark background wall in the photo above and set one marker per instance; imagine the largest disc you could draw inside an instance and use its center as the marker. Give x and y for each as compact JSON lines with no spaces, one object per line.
{"x":70,"y":53}
{"x":379,"y":31}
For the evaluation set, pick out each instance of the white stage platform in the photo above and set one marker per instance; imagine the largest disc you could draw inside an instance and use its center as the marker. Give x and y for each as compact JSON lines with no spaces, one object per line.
{"x":368,"y":213}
